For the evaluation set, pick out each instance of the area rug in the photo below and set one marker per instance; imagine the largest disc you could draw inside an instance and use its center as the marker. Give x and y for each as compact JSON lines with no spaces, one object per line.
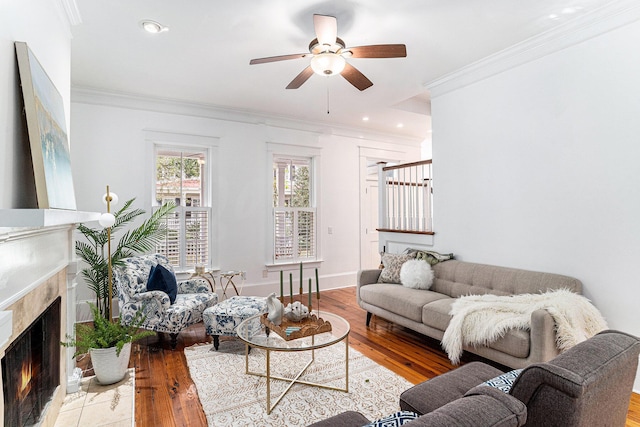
{"x":229,"y":397}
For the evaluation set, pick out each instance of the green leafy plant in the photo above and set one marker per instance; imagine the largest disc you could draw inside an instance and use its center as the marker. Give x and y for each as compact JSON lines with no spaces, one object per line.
{"x":105,"y":334}
{"x":93,"y":251}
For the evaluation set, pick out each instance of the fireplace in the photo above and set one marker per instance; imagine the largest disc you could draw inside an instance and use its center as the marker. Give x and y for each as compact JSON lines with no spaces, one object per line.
{"x":31,"y":369}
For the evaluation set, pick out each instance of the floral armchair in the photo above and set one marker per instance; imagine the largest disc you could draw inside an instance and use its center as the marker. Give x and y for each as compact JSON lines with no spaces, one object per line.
{"x":194,"y":296}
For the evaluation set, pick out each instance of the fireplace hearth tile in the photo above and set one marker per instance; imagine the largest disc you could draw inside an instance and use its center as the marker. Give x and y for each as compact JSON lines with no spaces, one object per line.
{"x":69,"y":418}
{"x":97,"y":405}
{"x":105,"y":414}
{"x":112,"y":394}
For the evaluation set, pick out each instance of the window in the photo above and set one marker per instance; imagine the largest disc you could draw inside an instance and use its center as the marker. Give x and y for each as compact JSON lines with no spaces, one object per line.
{"x":180,"y":178}
{"x":294,"y":211}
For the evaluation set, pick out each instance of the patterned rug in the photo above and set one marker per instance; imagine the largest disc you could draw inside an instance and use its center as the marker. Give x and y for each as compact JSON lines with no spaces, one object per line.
{"x":229,"y":397}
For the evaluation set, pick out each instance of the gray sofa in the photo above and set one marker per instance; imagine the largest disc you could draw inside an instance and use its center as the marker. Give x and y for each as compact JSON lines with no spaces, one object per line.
{"x":427,"y":311}
{"x":588,"y":385}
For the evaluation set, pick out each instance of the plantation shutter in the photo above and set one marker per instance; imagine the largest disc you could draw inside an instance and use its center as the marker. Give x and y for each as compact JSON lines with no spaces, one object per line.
{"x":186,"y":242}
{"x":283,"y":233}
{"x":294,"y":234}
{"x":197,"y":236}
{"x":170,"y":245}
{"x":306,"y":233}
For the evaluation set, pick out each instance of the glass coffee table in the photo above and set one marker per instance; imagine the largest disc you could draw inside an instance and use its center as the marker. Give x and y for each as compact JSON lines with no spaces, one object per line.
{"x":256,"y":335}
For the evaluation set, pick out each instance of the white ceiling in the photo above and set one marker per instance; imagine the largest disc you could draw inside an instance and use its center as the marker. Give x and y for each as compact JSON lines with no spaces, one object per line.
{"x":204,"y":57}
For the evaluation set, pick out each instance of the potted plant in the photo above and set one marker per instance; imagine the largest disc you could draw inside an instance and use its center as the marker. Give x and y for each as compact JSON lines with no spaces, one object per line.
{"x":108,"y":341}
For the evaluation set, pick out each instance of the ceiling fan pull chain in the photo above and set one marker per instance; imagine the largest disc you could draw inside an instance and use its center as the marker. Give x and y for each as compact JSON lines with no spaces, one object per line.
{"x":327,"y":95}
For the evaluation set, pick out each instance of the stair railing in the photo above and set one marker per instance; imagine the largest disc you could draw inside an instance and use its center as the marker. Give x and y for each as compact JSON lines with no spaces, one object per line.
{"x":405,"y":197}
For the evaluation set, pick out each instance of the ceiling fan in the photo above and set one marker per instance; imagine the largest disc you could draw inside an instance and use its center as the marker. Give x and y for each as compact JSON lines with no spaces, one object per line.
{"x":328,"y":53}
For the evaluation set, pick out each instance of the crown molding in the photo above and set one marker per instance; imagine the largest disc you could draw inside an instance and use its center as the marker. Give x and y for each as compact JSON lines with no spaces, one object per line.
{"x":69,"y":12}
{"x":68,"y":15}
{"x":86,"y":95}
{"x":72,"y":11}
{"x":607,"y":18}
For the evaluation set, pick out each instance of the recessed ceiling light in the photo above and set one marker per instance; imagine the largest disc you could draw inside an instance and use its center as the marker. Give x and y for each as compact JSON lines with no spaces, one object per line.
{"x":365,"y":119}
{"x":399,"y":125}
{"x":153,"y":26}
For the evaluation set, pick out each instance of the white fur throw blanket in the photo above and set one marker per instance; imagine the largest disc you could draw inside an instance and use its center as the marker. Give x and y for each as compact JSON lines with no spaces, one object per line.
{"x":482,"y":319}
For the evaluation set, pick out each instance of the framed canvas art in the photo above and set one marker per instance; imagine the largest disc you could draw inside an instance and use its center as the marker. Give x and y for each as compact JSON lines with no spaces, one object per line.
{"x":46,"y":127}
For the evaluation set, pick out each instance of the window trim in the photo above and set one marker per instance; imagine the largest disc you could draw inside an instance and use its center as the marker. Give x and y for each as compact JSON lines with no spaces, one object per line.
{"x":275,"y":150}
{"x":163,"y":140}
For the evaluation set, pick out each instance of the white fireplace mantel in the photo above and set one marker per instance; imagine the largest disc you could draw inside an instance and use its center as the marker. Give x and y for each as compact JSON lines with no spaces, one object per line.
{"x":38,"y":264}
{"x":44,"y":217}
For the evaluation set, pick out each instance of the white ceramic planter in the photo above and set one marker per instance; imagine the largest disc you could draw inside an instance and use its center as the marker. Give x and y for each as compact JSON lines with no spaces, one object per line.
{"x":108,"y":367}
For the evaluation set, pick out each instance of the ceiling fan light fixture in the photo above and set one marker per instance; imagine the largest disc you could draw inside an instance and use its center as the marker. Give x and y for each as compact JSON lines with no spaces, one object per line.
{"x":329,"y":55}
{"x":327,"y":64}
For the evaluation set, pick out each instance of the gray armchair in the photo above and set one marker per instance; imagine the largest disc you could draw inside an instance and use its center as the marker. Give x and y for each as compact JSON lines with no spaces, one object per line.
{"x":487,"y":407}
{"x":588,"y":385}
{"x":194,"y":296}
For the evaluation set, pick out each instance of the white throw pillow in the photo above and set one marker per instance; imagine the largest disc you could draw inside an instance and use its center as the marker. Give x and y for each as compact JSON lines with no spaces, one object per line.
{"x":416,"y":274}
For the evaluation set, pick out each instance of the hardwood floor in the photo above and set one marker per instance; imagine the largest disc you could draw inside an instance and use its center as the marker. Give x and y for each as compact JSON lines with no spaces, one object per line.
{"x":166,"y":396}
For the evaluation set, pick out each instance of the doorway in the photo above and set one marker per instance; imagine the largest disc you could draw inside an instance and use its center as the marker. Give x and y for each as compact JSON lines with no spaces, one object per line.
{"x":370,"y":247}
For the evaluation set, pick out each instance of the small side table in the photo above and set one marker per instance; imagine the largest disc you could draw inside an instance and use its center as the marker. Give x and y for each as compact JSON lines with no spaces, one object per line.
{"x":227,"y":278}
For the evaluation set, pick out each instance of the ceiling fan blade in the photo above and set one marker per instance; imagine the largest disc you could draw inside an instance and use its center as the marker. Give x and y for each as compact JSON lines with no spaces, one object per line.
{"x":277,"y":58}
{"x":355,"y":77}
{"x":326,"y":29}
{"x":379,"y":51}
{"x":301,"y":78}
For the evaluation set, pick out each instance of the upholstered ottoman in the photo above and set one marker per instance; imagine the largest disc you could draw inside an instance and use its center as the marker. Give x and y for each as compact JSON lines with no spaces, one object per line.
{"x":224,"y":317}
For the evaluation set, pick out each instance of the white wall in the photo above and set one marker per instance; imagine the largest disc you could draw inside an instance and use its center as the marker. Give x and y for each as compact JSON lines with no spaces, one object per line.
{"x":537,"y":168}
{"x":42,"y":26}
{"x":109,"y":148}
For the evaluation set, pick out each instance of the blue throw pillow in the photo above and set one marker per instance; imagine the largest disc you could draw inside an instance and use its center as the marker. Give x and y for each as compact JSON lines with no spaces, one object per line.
{"x":161,"y":279}
{"x":153,"y":268}
{"x":393,"y":420}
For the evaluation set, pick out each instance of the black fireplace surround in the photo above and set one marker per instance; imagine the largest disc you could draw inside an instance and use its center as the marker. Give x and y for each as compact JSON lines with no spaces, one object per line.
{"x":31,"y":369}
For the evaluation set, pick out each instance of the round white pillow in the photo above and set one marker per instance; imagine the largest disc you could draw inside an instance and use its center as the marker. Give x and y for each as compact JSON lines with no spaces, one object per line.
{"x":416,"y":274}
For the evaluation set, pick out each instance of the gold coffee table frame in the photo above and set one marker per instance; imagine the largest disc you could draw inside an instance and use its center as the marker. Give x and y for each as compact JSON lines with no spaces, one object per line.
{"x":247,"y":332}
